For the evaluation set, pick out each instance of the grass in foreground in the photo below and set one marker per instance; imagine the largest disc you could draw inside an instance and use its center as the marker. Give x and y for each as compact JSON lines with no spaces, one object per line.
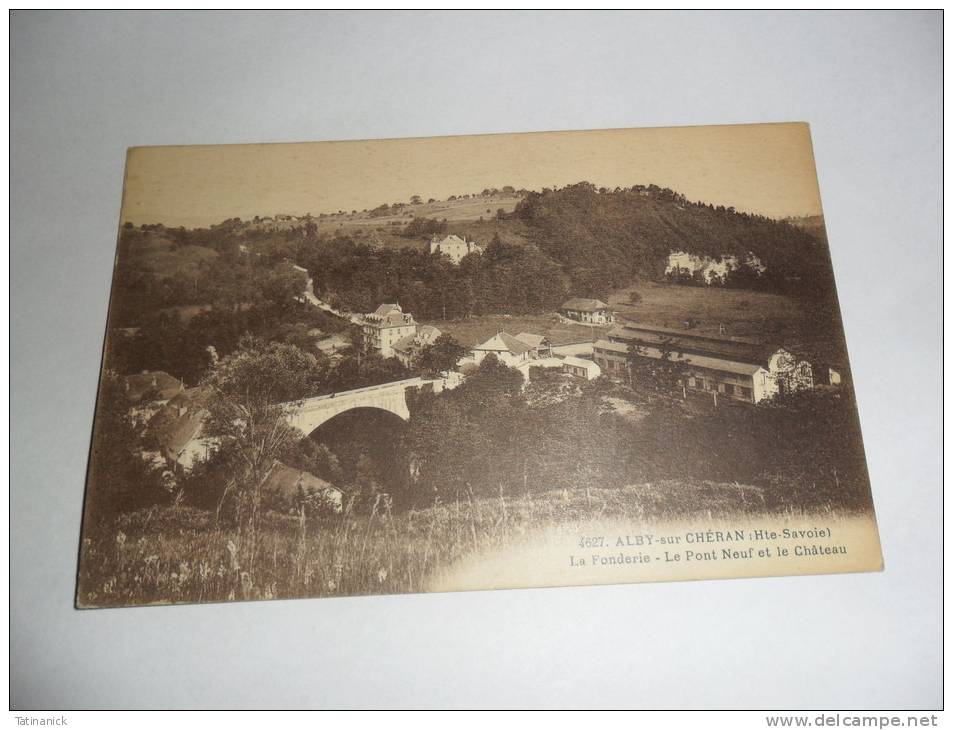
{"x":178,"y":555}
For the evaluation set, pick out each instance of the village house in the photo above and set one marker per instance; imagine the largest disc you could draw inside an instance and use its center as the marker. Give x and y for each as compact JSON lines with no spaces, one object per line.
{"x":148,"y":391}
{"x":408,"y":348}
{"x":151,"y":385}
{"x":539,"y":345}
{"x":508,"y":350}
{"x":580,"y":368}
{"x":175,"y":433}
{"x":527,"y":351}
{"x":454,"y":247}
{"x":384,"y":327}
{"x":588,"y":311}
{"x":581,"y":349}
{"x":291,"y":484}
{"x":735,"y":368}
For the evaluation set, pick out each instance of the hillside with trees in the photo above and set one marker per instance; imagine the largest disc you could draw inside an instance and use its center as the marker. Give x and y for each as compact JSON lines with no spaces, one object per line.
{"x":505,"y":278}
{"x":576,"y":240}
{"x":604,"y":239}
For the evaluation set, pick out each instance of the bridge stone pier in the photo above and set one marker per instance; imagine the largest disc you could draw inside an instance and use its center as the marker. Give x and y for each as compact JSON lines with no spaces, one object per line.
{"x":311,"y":413}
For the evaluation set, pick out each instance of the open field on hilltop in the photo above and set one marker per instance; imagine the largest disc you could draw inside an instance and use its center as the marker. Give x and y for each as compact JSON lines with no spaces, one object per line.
{"x":178,"y":554}
{"x":462,"y":209}
{"x":743,"y":312}
{"x":389,"y":236}
{"x":463,"y":219}
{"x":470,"y":332}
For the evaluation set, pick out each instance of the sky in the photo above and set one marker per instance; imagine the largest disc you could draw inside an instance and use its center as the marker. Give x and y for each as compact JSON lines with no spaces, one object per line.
{"x":757,"y":168}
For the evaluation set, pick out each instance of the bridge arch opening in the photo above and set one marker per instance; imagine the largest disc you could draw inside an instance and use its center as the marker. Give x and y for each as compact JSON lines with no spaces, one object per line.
{"x":367,"y":443}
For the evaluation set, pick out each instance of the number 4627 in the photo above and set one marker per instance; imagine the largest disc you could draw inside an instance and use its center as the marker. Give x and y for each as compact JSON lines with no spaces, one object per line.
{"x":592,"y":542}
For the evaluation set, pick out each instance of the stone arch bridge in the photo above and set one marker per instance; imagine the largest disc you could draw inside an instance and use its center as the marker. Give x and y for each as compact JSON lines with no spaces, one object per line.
{"x":311,"y":413}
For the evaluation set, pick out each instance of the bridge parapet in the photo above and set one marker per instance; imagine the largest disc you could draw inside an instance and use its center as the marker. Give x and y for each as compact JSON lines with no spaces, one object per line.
{"x":311,"y":413}
{"x":402,"y":384}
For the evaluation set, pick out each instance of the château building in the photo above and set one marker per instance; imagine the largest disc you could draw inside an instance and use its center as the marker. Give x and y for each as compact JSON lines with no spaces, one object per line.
{"x":454,"y":247}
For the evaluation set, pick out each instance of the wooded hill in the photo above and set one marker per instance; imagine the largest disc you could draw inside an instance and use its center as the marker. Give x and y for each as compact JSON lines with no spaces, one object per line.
{"x":605,"y":239}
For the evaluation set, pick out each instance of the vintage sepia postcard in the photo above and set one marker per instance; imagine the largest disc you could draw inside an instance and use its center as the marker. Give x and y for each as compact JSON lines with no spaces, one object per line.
{"x":442,"y":364}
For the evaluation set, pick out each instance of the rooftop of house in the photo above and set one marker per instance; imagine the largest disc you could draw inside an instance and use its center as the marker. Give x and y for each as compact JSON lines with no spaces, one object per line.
{"x":193,"y":398}
{"x":543,"y":362}
{"x":452,"y":240}
{"x":611,"y":346}
{"x":405,"y":344}
{"x":528,"y":338}
{"x":579,"y":304}
{"x":504,"y":342}
{"x":384,"y":309}
{"x":579,"y":362}
{"x":701,"y":361}
{"x":641,"y":327}
{"x":286,"y":480}
{"x":730,"y":348}
{"x":717,"y":363}
{"x":389,"y":315}
{"x":180,"y":420}
{"x":424,"y":335}
{"x":160,"y":385}
{"x":186,"y":429}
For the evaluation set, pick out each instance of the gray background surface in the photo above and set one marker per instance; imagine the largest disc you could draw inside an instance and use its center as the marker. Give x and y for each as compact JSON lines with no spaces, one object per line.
{"x":86,"y":86}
